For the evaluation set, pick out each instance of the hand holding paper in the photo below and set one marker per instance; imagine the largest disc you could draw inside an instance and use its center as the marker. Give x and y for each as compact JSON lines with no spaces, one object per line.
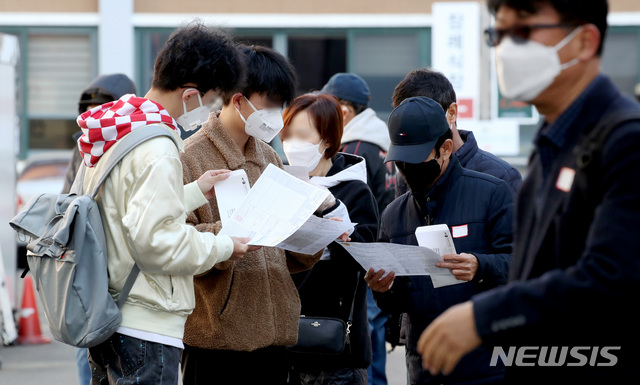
{"x":438,"y":238}
{"x":276,"y":211}
{"x":378,"y":280}
{"x":463,"y":266}
{"x":209,"y":179}
{"x":344,"y":237}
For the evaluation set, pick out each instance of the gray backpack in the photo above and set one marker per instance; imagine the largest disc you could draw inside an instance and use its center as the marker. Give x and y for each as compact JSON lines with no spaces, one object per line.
{"x":67,"y":254}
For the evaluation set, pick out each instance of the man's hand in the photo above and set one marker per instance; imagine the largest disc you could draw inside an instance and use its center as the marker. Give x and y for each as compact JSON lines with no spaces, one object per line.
{"x":448,"y":338}
{"x":208,"y":179}
{"x":463,"y":266}
{"x":344,"y":237}
{"x":240,"y":247}
{"x":376,"y":282}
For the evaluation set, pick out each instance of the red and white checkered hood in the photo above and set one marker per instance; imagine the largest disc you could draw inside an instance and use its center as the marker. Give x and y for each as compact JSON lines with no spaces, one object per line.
{"x":103,"y":125}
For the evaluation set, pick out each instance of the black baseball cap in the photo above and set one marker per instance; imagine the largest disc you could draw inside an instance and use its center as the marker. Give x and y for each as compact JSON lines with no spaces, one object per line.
{"x":414,"y":128}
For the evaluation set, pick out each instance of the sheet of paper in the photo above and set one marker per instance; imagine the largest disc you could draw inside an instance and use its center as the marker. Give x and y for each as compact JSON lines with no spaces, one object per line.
{"x":230,"y":193}
{"x":314,"y":235}
{"x":401,"y":259}
{"x":438,"y":238}
{"x":299,"y":172}
{"x":277,"y":205}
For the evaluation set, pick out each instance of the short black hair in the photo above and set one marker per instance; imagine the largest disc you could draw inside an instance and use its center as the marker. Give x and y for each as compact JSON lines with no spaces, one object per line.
{"x":425,"y":82}
{"x":357,"y":107}
{"x":574,"y":12}
{"x":268,"y":73}
{"x":198,"y":54}
{"x":441,"y":140}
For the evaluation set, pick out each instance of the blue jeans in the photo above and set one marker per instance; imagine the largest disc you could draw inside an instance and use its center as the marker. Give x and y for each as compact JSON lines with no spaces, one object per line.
{"x":82,"y":362}
{"x":376,"y":373}
{"x":126,"y":360}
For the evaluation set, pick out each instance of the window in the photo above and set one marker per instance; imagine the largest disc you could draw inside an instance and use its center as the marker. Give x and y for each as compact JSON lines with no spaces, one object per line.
{"x":151,"y":41}
{"x":316,"y":59}
{"x":58,"y":69}
{"x":384,"y":58}
{"x":622,"y":43}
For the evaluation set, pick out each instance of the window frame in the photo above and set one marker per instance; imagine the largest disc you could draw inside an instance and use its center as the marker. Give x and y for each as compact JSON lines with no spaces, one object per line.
{"x":23,"y":33}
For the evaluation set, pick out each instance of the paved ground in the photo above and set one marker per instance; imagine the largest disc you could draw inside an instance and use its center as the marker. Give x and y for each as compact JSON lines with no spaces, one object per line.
{"x":54,"y":363}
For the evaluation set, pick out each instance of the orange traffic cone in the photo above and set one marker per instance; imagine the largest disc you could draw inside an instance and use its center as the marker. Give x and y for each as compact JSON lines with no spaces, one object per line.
{"x":29,"y":332}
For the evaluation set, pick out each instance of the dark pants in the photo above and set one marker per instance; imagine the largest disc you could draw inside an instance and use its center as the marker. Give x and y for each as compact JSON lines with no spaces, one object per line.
{"x":127,"y":360}
{"x":263,"y":366}
{"x":346,"y":376}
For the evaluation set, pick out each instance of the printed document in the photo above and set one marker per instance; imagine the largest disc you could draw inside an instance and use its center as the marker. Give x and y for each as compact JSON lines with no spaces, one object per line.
{"x":401,"y":259}
{"x":314,"y":235}
{"x":230,"y":193}
{"x":276,"y":206}
{"x":438,"y":238}
{"x":299,"y":172}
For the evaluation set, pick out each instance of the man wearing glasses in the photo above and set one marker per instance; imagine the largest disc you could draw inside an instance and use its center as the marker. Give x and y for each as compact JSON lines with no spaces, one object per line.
{"x":575,"y":272}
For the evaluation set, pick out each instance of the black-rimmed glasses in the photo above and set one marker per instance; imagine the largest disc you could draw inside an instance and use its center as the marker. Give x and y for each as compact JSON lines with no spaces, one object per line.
{"x":520,"y":33}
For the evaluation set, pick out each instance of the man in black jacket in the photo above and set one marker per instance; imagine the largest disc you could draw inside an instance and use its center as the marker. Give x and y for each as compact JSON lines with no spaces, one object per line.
{"x":478,"y":209}
{"x":567,"y":314}
{"x":433,"y":84}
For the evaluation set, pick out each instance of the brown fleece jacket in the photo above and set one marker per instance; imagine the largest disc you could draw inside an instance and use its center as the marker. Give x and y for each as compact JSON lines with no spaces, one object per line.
{"x":251,"y":303}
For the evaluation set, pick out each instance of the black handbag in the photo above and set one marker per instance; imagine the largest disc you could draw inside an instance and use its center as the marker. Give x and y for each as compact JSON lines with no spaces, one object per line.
{"x":324,"y":335}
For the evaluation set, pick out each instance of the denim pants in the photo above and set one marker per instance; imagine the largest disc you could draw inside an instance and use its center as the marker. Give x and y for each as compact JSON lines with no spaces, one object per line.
{"x":82,"y":362}
{"x":376,"y":372}
{"x":128,"y":360}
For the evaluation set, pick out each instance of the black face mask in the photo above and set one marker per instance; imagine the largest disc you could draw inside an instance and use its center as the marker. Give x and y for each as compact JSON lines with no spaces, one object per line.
{"x":419,"y":176}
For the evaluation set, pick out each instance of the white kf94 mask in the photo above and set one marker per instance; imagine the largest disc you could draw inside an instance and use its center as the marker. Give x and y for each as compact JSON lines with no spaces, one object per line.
{"x":195,"y":118}
{"x":262,"y":124}
{"x":525,"y":70}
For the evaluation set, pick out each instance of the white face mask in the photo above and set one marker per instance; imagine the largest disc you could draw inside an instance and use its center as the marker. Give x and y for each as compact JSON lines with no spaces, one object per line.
{"x":262,"y":124}
{"x":193,"y":119}
{"x":302,"y":153}
{"x":525,"y":70}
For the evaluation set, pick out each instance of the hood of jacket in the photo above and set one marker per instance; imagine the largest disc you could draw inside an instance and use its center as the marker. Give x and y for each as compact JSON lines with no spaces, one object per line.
{"x":345,"y":167}
{"x":366,"y":126}
{"x":104,"y":89}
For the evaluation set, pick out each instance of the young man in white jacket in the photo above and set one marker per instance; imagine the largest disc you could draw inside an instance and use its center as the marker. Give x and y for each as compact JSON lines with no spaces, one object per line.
{"x":144,"y":205}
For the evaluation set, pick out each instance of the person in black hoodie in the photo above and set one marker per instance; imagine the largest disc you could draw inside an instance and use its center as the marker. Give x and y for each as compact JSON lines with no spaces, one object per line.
{"x":103,"y":89}
{"x":311,"y":133}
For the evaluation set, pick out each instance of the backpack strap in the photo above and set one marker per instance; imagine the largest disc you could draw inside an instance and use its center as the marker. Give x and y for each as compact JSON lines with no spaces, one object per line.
{"x":120,"y":150}
{"x":128,"y":284}
{"x":591,"y":147}
{"x":589,"y":151}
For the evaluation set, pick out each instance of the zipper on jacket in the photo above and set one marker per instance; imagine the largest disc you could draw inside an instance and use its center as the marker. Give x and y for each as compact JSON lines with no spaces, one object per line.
{"x":428,"y":217}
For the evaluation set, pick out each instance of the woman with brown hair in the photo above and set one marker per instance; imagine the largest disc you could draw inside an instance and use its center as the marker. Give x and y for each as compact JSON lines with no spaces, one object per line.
{"x":335,"y":286}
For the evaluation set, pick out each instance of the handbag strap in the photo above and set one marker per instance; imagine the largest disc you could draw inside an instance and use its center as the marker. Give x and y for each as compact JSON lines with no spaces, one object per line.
{"x":353,"y":300}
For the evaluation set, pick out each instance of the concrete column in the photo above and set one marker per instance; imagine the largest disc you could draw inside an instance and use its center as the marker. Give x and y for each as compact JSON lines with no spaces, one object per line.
{"x":280,"y":43}
{"x":115,"y":37}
